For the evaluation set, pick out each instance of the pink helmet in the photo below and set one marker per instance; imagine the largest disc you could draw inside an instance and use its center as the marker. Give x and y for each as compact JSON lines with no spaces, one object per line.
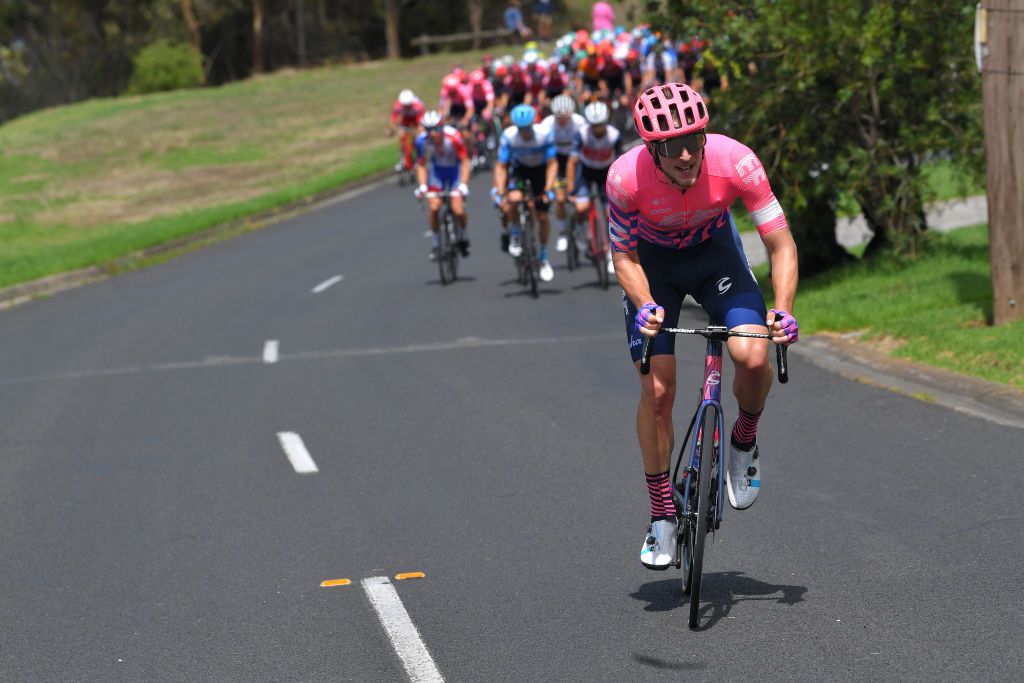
{"x":451,"y":82}
{"x":476,"y":77}
{"x":667,"y":111}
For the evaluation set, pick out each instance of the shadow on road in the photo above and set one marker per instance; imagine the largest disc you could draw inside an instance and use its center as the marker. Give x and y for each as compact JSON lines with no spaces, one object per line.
{"x":461,"y":278}
{"x":526,"y":292}
{"x":720,"y":592}
{"x":658,"y":663}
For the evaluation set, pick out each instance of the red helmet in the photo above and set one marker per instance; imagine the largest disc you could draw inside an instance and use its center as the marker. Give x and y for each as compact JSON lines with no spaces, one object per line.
{"x":667,"y":111}
{"x":459,"y":73}
{"x":476,"y":77}
{"x":450,"y":82}
{"x":501,"y":70}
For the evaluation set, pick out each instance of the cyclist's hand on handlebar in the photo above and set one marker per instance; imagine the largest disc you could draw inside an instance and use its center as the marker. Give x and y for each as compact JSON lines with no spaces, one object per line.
{"x":463,"y":190}
{"x":420,"y":191}
{"x":649,"y":319}
{"x":496,"y":196}
{"x":785,"y":329}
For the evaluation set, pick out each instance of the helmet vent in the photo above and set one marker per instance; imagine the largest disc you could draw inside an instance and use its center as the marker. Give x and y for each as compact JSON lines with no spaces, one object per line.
{"x":701,"y":110}
{"x":662,"y":122}
{"x":666,"y":91}
{"x":689,"y":116}
{"x":674,"y":110}
{"x":646,"y":121}
{"x":656,"y":103}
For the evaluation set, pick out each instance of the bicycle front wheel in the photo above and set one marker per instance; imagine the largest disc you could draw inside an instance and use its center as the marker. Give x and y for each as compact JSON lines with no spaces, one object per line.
{"x":445,"y":248}
{"x":707,"y":445}
{"x":530,"y":258}
{"x":598,"y":244}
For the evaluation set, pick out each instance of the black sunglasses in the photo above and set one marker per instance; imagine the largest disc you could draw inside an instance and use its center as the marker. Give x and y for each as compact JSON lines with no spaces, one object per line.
{"x":673,"y":147}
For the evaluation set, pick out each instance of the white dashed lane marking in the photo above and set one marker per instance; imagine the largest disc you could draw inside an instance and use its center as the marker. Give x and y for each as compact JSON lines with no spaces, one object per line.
{"x":297,"y":454}
{"x":270,"y":349}
{"x":330,"y":282}
{"x":401,"y":631}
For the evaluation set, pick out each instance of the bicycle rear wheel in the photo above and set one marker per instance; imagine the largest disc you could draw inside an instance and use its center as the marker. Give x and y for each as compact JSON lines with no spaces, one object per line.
{"x":572,"y":251}
{"x":704,"y":514}
{"x":530,"y":257}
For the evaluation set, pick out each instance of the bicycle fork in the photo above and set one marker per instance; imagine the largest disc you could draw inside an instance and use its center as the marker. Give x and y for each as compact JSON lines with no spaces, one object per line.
{"x":711,"y":398}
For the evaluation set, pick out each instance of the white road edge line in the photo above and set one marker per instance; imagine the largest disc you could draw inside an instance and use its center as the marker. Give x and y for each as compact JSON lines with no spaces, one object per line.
{"x":297,"y":454}
{"x":403,"y":634}
{"x":327,"y":283}
{"x":270,"y":349}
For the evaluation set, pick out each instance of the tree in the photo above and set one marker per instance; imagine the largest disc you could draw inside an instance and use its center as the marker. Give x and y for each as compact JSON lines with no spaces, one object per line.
{"x":391,"y":29}
{"x":258,"y":65}
{"x":844,"y":95}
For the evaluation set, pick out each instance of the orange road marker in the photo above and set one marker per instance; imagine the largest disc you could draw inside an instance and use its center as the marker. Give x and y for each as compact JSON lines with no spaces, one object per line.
{"x":410,"y":575}
{"x":334,"y":582}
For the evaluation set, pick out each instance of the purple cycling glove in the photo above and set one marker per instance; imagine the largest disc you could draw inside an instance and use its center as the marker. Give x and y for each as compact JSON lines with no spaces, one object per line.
{"x":789,"y":325}
{"x":650,"y":309}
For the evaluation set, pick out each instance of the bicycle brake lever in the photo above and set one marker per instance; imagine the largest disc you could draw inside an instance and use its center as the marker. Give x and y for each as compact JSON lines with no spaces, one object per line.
{"x":645,"y":355}
{"x":781,"y":358}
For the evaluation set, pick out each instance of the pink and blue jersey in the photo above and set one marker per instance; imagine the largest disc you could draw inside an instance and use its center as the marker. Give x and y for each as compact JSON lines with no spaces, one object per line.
{"x":644,"y":204}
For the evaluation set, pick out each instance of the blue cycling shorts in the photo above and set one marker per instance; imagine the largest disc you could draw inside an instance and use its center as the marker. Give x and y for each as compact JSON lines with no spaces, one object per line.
{"x":443,"y":177}
{"x":714,"y":272}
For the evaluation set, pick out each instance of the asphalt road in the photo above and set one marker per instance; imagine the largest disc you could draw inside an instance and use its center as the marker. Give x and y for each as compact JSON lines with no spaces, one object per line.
{"x":152,"y":527}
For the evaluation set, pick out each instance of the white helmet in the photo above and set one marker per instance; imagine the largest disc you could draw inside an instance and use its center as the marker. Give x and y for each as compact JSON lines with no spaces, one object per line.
{"x":562,"y":106}
{"x":430,"y":120}
{"x":596,"y":113}
{"x":406,"y":97}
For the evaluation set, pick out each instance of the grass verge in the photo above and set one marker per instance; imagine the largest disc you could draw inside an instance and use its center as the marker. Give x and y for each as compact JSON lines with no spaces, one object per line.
{"x":935,"y":309}
{"x":84,"y":184}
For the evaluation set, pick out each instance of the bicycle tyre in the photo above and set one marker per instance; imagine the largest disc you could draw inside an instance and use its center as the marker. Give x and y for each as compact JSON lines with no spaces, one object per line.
{"x":443,"y":247}
{"x":529,"y":251}
{"x":598,"y":247}
{"x":704,"y":513}
{"x":453,"y":249}
{"x":572,"y":251}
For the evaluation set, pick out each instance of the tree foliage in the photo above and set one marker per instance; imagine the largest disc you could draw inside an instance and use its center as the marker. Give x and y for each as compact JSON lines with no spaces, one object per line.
{"x":847,"y":95}
{"x":165,"y":65}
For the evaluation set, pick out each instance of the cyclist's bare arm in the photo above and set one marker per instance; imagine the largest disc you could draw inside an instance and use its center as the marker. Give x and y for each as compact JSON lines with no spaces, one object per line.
{"x":464,"y":171}
{"x":552,"y":174}
{"x":783,"y":258}
{"x":570,"y":175}
{"x":500,"y":176}
{"x":633,"y":280}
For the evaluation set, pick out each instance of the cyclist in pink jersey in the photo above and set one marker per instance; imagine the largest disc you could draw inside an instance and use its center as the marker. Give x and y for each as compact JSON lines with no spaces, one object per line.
{"x":672,"y":234}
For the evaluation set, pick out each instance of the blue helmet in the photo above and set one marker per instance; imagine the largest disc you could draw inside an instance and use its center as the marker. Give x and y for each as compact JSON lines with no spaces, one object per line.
{"x":523,"y":116}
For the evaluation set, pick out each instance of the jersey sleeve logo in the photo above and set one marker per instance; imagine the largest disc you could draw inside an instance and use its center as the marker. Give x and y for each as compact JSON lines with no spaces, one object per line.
{"x":750,"y":169}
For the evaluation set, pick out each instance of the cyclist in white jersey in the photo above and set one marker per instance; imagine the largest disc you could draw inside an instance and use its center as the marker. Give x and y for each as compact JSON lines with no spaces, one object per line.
{"x":596,"y":147}
{"x":563,"y":124}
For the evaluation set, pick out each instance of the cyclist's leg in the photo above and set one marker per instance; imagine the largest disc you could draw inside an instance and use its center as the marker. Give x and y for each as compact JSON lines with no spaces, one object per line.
{"x":582,"y":188}
{"x":731,"y":296}
{"x":657,"y":389}
{"x":563,"y":161}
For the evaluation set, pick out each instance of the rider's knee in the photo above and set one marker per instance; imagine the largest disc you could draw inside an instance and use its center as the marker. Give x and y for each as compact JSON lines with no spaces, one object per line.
{"x":659,"y":393}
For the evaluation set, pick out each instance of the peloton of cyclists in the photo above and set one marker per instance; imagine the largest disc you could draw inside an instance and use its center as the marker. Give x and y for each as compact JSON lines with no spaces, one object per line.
{"x":442,"y":164}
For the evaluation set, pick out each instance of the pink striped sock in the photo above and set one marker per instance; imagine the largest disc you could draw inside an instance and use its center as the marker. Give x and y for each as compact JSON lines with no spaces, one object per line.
{"x":659,"y":488}
{"x":744,"y":432}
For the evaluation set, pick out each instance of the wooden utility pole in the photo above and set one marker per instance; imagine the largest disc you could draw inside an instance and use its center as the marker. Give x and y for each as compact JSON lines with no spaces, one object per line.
{"x":1000,"y":34}
{"x":476,"y":20}
{"x":300,"y":30}
{"x":391,"y":29}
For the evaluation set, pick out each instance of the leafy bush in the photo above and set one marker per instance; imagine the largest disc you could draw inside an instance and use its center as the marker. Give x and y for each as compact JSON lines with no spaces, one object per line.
{"x":165,"y":65}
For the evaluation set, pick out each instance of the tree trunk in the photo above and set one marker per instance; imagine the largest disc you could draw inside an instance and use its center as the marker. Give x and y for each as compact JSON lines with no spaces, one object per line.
{"x":257,"y":37}
{"x":321,"y":14}
{"x":814,"y":231}
{"x":300,"y":31}
{"x":476,"y":20}
{"x":192,"y":24}
{"x":391,"y":29}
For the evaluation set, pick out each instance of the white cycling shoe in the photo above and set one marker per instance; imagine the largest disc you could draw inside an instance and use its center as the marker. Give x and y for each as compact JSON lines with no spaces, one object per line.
{"x":515,"y":249}
{"x":611,"y":266}
{"x":562,"y":244}
{"x":743,"y":478}
{"x":659,"y":548}
{"x":547,"y":273}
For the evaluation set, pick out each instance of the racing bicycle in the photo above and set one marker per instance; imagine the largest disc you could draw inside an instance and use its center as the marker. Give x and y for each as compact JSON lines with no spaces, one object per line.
{"x":448,"y":239}
{"x":698,"y":488}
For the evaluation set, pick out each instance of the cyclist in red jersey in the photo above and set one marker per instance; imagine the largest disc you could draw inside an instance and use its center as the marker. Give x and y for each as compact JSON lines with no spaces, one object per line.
{"x":406,"y":113}
{"x":672,"y":234}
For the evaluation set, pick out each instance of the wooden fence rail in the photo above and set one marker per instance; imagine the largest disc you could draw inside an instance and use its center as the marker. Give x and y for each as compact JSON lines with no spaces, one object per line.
{"x":424,"y":41}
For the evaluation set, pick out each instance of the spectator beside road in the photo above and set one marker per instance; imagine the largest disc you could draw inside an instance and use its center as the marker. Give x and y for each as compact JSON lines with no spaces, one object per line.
{"x":514,"y":20}
{"x":603,"y":17}
{"x":543,"y":13}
